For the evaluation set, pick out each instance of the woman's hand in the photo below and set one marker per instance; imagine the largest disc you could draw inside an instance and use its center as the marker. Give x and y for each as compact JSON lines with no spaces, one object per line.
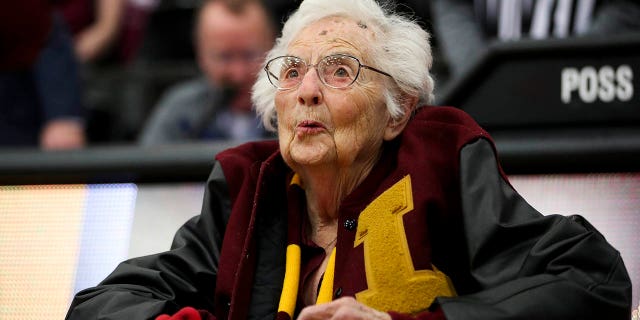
{"x":343,"y":308}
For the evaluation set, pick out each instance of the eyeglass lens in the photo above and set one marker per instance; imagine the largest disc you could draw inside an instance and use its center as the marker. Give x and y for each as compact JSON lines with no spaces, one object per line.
{"x":336,"y":71}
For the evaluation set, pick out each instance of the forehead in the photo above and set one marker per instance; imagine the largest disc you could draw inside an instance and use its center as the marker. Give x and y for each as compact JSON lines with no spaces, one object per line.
{"x":332,"y":35}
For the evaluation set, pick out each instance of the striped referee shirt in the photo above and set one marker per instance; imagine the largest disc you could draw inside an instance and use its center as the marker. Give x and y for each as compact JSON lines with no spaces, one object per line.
{"x":537,"y":19}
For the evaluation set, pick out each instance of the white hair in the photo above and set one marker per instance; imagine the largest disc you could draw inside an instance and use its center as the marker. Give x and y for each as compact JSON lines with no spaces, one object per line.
{"x":401,"y":49}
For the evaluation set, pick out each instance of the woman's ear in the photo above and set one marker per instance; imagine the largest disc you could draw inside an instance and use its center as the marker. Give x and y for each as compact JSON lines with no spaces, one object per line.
{"x":396,"y":125}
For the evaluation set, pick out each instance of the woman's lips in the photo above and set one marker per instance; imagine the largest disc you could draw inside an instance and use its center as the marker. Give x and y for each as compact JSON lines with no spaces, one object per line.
{"x":309,"y":127}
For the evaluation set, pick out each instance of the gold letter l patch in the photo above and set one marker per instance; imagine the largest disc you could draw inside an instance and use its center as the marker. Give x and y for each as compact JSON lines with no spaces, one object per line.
{"x":394,"y":284}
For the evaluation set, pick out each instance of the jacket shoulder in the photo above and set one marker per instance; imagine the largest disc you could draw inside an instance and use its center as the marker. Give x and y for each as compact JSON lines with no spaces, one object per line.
{"x":447,"y":116}
{"x":241,"y":165}
{"x":447,"y":125}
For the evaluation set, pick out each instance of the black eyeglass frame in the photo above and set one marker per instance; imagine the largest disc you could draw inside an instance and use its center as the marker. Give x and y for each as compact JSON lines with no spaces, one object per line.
{"x":309,"y":66}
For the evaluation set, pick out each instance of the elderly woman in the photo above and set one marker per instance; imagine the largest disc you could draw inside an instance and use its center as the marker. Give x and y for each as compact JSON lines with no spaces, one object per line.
{"x":369,"y":206}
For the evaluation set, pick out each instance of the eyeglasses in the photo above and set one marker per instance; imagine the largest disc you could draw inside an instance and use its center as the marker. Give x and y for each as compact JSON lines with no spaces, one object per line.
{"x":335,"y":71}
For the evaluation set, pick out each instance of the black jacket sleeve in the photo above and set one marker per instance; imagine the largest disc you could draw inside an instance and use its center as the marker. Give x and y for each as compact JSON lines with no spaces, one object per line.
{"x":529,"y":265}
{"x":142,"y":288}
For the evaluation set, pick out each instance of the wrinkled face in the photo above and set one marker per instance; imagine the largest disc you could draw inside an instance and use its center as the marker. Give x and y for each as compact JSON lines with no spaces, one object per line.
{"x":230,"y":46}
{"x":323,"y":126}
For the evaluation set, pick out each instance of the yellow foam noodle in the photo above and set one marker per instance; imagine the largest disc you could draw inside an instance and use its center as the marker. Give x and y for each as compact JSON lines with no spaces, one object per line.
{"x":326,"y":289}
{"x":291,"y":280}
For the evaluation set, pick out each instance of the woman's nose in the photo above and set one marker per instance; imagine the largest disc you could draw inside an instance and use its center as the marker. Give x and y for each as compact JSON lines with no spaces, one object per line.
{"x":309,"y":93}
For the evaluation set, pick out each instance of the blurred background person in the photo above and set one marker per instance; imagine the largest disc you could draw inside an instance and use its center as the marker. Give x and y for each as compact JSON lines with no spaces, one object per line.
{"x":106,"y":31}
{"x":95,"y":25}
{"x":107,"y":35}
{"x":465,"y":27}
{"x":40,"y":100}
{"x":231,"y":39}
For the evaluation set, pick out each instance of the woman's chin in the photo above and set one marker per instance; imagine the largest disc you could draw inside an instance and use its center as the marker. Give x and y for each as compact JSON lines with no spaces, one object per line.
{"x":310,"y":155}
